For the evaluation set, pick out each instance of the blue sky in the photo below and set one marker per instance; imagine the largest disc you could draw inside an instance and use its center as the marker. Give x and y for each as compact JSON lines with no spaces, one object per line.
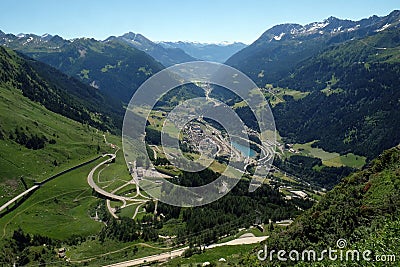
{"x":172,"y":20}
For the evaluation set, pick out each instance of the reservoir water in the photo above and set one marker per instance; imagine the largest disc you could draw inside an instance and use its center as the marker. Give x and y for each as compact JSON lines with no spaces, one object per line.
{"x":246,"y":151}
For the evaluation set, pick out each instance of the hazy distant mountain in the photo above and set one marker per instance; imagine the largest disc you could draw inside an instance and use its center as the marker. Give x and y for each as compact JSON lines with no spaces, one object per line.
{"x":166,"y":56}
{"x":210,"y":52}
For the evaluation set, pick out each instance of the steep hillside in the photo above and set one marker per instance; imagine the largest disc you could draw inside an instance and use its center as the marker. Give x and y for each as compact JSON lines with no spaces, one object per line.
{"x":113,"y":67}
{"x":363,"y":209}
{"x":58,"y":92}
{"x":36,"y":142}
{"x":165,"y":55}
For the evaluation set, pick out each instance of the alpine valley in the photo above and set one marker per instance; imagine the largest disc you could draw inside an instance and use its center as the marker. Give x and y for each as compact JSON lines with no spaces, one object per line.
{"x":68,"y":198}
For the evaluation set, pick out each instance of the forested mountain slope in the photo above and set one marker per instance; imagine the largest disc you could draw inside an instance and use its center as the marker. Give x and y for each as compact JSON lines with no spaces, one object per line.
{"x":346,"y":80}
{"x":354,"y":104}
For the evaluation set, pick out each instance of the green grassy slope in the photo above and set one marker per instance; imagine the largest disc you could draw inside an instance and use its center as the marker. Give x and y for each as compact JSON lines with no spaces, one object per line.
{"x":74,"y":142}
{"x":58,"y":210}
{"x":36,"y":140}
{"x":36,"y":143}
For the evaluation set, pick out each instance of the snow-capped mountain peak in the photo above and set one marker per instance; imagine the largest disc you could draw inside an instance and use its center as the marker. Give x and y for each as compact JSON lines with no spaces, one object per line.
{"x":329,"y":27}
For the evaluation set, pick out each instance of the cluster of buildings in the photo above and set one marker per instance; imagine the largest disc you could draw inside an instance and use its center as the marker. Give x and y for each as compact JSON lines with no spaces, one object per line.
{"x":293,"y":193}
{"x":197,"y":140}
{"x":291,"y":149}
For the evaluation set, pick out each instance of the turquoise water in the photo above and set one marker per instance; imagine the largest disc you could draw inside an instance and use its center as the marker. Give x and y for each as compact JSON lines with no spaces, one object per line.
{"x":246,"y":151}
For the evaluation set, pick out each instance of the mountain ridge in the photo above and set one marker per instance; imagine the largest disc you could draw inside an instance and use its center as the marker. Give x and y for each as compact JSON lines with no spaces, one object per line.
{"x":166,"y":56}
{"x":283,"y":46}
{"x":351,"y":103}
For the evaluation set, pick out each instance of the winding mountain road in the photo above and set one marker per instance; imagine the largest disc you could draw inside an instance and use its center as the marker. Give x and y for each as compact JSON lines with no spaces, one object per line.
{"x":100,"y":190}
{"x":112,"y":195}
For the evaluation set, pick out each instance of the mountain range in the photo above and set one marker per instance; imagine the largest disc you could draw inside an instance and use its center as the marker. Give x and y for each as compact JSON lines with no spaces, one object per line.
{"x":108,"y":65}
{"x":112,"y":66}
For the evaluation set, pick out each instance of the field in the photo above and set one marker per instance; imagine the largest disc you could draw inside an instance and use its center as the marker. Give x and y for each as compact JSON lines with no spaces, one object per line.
{"x":330,"y":159}
{"x":328,"y":90}
{"x":275,"y":94}
{"x":282,"y":176}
